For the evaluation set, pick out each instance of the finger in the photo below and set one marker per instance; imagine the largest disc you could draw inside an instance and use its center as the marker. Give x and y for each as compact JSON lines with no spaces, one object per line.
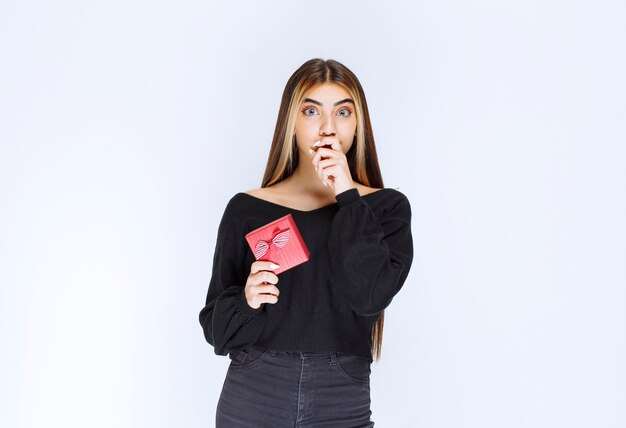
{"x":314,"y":148}
{"x":335,"y":172}
{"x":326,"y":141}
{"x":324,"y":165}
{"x":268,"y":298}
{"x":336,"y":145}
{"x":326,"y":154}
{"x":327,"y":175}
{"x":264,"y":276}
{"x":330,"y":166}
{"x":262,"y":265}
{"x":268,"y":288}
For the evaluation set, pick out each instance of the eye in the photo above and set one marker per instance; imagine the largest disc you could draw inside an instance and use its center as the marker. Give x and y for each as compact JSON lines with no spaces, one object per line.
{"x":306,"y":111}
{"x":348,"y":112}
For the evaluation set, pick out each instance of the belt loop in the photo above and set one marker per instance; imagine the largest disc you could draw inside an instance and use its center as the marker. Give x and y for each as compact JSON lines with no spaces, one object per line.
{"x":333,"y":359}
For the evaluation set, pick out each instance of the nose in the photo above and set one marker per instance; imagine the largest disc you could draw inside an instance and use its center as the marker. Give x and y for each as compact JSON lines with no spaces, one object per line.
{"x":328,"y":126}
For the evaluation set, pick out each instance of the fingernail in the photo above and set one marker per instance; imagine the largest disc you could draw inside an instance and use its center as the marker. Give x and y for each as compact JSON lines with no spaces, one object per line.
{"x":274,"y":266}
{"x":325,"y":183}
{"x":317,"y":142}
{"x":310,"y":151}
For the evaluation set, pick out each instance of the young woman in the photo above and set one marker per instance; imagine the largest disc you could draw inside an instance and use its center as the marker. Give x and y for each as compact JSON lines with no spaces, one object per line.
{"x":301,"y":345}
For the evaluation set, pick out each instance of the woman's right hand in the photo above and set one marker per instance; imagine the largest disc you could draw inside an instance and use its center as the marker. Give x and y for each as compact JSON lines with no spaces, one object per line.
{"x":260,"y":286}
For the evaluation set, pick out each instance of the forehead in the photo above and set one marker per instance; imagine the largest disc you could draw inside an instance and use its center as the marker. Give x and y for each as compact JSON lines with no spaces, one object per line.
{"x":327,"y":92}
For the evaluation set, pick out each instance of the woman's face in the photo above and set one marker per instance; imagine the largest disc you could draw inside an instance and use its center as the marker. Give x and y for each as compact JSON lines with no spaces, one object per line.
{"x":327,"y":110}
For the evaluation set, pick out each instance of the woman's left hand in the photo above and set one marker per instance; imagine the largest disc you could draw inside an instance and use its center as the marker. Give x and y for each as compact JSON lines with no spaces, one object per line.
{"x":331,"y":165}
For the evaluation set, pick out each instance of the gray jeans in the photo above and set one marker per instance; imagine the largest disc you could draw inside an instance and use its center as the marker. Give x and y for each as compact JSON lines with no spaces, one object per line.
{"x":292,"y":389}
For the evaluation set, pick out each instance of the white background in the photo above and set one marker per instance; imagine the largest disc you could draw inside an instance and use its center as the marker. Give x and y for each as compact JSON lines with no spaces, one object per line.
{"x":125,"y":127}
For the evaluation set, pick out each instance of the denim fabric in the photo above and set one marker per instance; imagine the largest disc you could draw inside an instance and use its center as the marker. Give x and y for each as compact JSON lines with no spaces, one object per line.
{"x":292,"y":389}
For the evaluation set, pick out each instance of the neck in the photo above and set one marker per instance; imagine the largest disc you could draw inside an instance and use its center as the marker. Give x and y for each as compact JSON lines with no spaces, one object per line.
{"x":305,"y":180}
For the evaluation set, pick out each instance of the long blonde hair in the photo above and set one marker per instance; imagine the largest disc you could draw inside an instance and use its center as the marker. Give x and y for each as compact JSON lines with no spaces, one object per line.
{"x":362,"y":158}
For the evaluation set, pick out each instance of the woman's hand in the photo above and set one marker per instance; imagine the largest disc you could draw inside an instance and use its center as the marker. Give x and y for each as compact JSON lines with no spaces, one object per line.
{"x":260,"y":286}
{"x":331,"y":165}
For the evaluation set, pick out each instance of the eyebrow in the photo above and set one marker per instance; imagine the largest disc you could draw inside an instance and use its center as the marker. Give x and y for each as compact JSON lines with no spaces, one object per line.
{"x":347,"y":100}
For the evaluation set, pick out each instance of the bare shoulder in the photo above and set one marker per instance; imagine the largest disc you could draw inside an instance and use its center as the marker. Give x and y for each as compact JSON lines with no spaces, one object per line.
{"x":256,"y":192}
{"x":366,"y":190}
{"x":281,"y":194}
{"x":267,"y":193}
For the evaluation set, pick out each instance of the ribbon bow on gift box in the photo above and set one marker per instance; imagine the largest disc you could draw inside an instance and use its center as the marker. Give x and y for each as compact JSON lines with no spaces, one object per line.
{"x":279,"y":240}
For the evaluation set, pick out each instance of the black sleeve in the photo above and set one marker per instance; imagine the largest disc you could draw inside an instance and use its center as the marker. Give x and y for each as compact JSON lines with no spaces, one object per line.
{"x":229,"y":323}
{"x":370,"y":258}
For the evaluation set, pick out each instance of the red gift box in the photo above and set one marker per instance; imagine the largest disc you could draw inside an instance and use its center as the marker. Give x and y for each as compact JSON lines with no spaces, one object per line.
{"x":279,"y":242}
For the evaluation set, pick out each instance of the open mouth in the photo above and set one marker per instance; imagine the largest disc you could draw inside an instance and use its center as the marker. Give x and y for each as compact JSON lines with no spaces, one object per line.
{"x":326,"y":145}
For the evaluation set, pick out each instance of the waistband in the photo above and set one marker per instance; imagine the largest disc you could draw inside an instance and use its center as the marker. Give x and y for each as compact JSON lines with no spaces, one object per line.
{"x":255,"y":349}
